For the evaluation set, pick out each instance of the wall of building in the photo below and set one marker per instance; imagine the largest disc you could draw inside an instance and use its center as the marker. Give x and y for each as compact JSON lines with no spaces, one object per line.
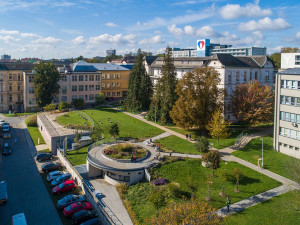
{"x":290,"y":60}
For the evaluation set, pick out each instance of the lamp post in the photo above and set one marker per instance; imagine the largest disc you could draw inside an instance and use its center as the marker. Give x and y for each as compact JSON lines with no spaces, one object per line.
{"x":155,"y":111}
{"x":262,"y":152}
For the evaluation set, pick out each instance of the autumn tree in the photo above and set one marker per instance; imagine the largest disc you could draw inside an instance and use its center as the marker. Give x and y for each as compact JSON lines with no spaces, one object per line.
{"x":139,"y":87}
{"x":253,"y":103}
{"x":190,"y":212}
{"x":238,"y":174}
{"x":224,"y":177}
{"x":198,"y":98}
{"x":218,"y":127}
{"x":212,"y":159}
{"x":202,"y":144}
{"x":165,"y":96}
{"x":45,"y":82}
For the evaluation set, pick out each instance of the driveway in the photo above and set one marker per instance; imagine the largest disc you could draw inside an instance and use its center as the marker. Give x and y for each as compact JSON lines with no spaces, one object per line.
{"x":26,"y":190}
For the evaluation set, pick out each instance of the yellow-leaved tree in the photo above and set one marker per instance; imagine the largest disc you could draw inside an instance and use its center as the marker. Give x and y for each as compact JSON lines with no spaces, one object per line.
{"x":218,"y":127}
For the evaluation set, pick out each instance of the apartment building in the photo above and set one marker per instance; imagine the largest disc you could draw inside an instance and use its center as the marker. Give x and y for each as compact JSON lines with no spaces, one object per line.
{"x":82,"y":80}
{"x":11,"y":86}
{"x":290,"y":60}
{"x":287,"y":112}
{"x":233,"y":71}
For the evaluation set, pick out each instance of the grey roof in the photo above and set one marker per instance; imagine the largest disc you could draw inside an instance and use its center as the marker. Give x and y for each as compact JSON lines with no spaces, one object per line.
{"x":16,"y":66}
{"x":82,"y":66}
{"x":150,"y":59}
{"x":292,"y":71}
{"x":229,"y":60}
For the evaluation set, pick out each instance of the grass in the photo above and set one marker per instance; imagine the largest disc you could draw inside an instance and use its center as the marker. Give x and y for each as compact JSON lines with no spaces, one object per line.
{"x":223,"y":143}
{"x":45,"y":150}
{"x":176,"y":144}
{"x":74,"y":120}
{"x":128,"y":126}
{"x":18,"y":114}
{"x":283,"y":209}
{"x":78,"y":157}
{"x":55,"y":198}
{"x":184,"y":171}
{"x":274,"y":161}
{"x":35,"y":135}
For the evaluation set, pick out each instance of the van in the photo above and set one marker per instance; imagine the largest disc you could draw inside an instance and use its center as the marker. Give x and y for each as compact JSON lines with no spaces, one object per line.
{"x":19,"y":219}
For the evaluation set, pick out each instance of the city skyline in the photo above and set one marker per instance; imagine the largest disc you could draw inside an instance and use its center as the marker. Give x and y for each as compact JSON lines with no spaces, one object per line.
{"x":54,"y":29}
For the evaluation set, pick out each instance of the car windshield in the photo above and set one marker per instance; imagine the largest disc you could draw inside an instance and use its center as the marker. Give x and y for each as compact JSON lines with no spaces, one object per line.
{"x":68,"y":208}
{"x":61,"y":185}
{"x":83,"y":204}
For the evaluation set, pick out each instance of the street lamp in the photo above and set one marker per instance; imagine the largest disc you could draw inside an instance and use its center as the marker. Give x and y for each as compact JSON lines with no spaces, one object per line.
{"x":262,"y":152}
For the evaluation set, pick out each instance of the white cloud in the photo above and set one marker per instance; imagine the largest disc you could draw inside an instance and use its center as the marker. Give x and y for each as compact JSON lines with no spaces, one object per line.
{"x":274,"y":50}
{"x":78,"y":40}
{"x":9,"y":32}
{"x":118,"y":39}
{"x":298,"y":35}
{"x":205,"y":31}
{"x":233,"y":11}
{"x":265,"y":24}
{"x":47,"y":41}
{"x":29,"y":35}
{"x":8,"y":39}
{"x":191,"y":2}
{"x":258,"y":34}
{"x":154,"y":40}
{"x":110,"y":24}
{"x":173,"y":44}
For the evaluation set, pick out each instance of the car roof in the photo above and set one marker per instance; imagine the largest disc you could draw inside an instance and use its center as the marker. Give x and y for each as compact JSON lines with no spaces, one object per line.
{"x":82,"y":212}
{"x":6,"y":145}
{"x":69,"y":181}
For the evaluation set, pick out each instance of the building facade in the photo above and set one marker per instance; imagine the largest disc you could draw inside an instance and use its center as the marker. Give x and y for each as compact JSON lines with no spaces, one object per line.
{"x":177,"y":52}
{"x":242,"y":51}
{"x":290,"y":60}
{"x":287,"y":112}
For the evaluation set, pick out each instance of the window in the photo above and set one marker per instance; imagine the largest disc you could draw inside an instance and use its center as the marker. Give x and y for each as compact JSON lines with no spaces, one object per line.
{"x":237,"y":76}
{"x":229,"y":78}
{"x":98,"y":77}
{"x":103,"y":85}
{"x":1,"y":98}
{"x":74,"y":77}
{"x":63,"y":78}
{"x":292,"y":117}
{"x":118,"y":93}
{"x":10,"y":87}
{"x":112,"y":85}
{"x":74,"y":88}
{"x":85,"y":98}
{"x":74,"y":97}
{"x":281,"y":131}
{"x":80,"y":87}
{"x":91,"y":77}
{"x":19,"y":98}
{"x":19,"y":87}
{"x":31,"y":90}
{"x":255,"y":76}
{"x":64,"y":89}
{"x":31,"y":101}
{"x":10,"y":77}
{"x":113,"y":94}
{"x":103,"y":76}
{"x":91,"y":87}
{"x":86,"y":88}
{"x":108,"y":94}
{"x":98,"y":87}
{"x":91,"y":97}
{"x":55,"y":99}
{"x":296,"y":148}
{"x":10,"y":98}
{"x":298,"y":118}
{"x":245,"y":76}
{"x":19,"y":77}
{"x":293,"y":134}
{"x":118,"y":84}
{"x":80,"y":77}
{"x":64,"y":98}
{"x":282,"y":83}
{"x":108,"y":76}
{"x":118,"y":76}
{"x":113,"y":75}
{"x":86,"y":78}
{"x":30,"y":79}
{"x":108,"y":85}
{"x":80,"y":96}
{"x":287,"y":116}
{"x":294,"y":84}
{"x":291,"y":147}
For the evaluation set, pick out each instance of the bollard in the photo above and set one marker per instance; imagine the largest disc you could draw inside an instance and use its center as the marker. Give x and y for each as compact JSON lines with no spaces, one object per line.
{"x":38,"y":141}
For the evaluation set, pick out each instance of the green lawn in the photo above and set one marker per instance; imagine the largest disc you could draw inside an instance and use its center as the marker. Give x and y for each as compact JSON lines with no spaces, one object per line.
{"x":18,"y":114}
{"x":176,"y":144}
{"x":191,"y":169}
{"x":223,"y":143}
{"x":128,"y":126}
{"x":283,"y":210}
{"x":35,"y":135}
{"x":274,"y":161}
{"x":78,"y":157}
{"x":74,"y":120}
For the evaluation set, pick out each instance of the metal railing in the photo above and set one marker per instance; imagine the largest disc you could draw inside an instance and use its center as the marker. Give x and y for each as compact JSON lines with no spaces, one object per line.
{"x":86,"y":116}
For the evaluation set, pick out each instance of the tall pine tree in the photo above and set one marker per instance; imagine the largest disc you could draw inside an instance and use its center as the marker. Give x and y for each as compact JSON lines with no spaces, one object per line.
{"x":165,"y":95}
{"x":139,"y":88}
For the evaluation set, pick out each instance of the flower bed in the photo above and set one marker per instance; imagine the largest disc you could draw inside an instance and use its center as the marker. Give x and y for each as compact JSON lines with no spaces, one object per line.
{"x":125,"y":151}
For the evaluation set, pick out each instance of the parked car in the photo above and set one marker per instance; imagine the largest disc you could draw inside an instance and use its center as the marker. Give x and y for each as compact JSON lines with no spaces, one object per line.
{"x":6,"y":149}
{"x":77,"y":206}
{"x":3,"y":192}
{"x":68,"y":185}
{"x":88,"y":184}
{"x":82,"y":216}
{"x":42,"y":156}
{"x":60,"y":179}
{"x":5,"y":127}
{"x":2,"y":122}
{"x":6,"y":135}
{"x":50,"y":166}
{"x":94,"y":221}
{"x":53,"y":175}
{"x":69,"y":199}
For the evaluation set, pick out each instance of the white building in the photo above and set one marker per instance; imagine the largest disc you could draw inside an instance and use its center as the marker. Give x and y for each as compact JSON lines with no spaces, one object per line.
{"x":287,"y":111}
{"x":290,"y":60}
{"x":242,"y":51}
{"x":188,"y":52}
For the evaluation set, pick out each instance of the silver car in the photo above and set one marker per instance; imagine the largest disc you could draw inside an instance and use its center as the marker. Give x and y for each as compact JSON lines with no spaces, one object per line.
{"x":60,"y":179}
{"x":69,"y":199}
{"x":53,"y":175}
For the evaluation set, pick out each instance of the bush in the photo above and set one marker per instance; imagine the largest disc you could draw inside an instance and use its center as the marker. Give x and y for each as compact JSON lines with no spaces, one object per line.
{"x":49,"y":107}
{"x":78,"y":103}
{"x":122,"y":189}
{"x":202,"y":144}
{"x":32,"y":121}
{"x":160,"y":181}
{"x":63,"y":105}
{"x":174,"y":190}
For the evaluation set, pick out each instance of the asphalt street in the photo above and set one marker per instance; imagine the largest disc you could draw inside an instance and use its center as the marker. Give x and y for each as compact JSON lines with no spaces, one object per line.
{"x":26,"y":191}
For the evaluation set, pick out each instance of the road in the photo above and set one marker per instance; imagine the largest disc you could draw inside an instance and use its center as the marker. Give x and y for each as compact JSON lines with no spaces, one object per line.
{"x":26,"y":190}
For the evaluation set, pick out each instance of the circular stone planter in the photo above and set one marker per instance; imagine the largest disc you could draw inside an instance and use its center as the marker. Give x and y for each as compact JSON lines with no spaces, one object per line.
{"x":125,"y":160}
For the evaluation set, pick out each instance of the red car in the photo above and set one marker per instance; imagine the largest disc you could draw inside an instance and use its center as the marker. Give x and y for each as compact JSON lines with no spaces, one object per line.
{"x":77,"y":206}
{"x":68,"y":185}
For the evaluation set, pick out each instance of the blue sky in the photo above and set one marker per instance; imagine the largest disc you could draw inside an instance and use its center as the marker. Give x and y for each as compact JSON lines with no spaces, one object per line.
{"x":69,"y":28}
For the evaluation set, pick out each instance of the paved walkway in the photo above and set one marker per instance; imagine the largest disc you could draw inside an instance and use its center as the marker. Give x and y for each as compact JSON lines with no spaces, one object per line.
{"x":41,"y":147}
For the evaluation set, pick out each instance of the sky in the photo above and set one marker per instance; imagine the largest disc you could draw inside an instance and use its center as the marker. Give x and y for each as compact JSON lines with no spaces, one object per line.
{"x":70,"y":28}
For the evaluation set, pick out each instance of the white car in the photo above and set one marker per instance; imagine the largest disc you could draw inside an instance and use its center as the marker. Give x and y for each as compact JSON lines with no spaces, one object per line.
{"x":2,"y":122}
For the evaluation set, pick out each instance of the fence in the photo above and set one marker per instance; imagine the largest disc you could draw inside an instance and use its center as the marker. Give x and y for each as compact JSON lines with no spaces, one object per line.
{"x":147,"y":175}
{"x":86,"y":116}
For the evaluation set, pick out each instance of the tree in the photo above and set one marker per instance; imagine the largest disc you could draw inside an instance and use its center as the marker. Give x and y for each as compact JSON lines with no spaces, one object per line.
{"x":100,"y":99}
{"x":165,"y":95}
{"x":212,"y":159}
{"x":49,"y":107}
{"x":189,"y":212}
{"x":276,"y":58}
{"x":218,"y":127}
{"x":224,"y":177}
{"x":238,"y":174}
{"x":139,"y":87}
{"x":157,"y":198}
{"x":202,"y":144}
{"x":78,"y":103}
{"x":114,"y":130}
{"x":289,"y":50}
{"x":199,"y":97}
{"x":63,"y":105}
{"x":45,"y":82}
{"x":97,"y":134}
{"x":77,"y":137}
{"x":253,"y":103}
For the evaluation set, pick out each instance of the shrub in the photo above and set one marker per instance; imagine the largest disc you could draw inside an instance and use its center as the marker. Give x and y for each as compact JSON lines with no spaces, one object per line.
{"x":63,"y":105}
{"x":160,"y":181}
{"x":202,"y":144}
{"x":49,"y":107}
{"x":122,"y":189}
{"x":174,"y":190}
{"x":32,"y":121}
